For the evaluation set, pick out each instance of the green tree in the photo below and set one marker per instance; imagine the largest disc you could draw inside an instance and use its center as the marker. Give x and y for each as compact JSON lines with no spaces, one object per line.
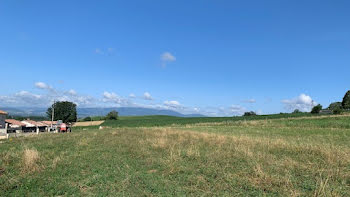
{"x":346,"y":100}
{"x":338,"y":110}
{"x":113,"y":115}
{"x":296,"y":111}
{"x":335,"y":105}
{"x":250,"y":113}
{"x":63,"y":110}
{"x":316,"y":109}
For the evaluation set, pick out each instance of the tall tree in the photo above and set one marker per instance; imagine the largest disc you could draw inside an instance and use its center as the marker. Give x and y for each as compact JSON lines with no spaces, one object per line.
{"x":346,"y":100}
{"x":316,"y":109}
{"x":63,"y":110}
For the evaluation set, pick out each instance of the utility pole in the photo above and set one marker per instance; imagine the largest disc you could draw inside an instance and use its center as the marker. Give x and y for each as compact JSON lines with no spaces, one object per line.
{"x":52,"y":113}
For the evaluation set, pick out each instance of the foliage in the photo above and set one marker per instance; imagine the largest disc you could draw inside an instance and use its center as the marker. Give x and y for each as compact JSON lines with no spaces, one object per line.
{"x":87,"y":118}
{"x":63,"y":110}
{"x":335,"y":105}
{"x":346,"y":101}
{"x":316,"y":109}
{"x":113,"y":115}
{"x":296,"y":111}
{"x":338,"y":110}
{"x":251,"y":113}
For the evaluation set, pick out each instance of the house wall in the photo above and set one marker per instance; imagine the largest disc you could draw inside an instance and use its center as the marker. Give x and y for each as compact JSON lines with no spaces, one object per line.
{"x":2,"y":121}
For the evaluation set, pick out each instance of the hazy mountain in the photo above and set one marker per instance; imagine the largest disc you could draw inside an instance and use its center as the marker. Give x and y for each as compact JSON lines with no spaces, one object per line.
{"x":83,"y":112}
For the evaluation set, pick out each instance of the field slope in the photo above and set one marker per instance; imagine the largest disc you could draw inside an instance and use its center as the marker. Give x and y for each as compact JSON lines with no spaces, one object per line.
{"x":270,"y":157}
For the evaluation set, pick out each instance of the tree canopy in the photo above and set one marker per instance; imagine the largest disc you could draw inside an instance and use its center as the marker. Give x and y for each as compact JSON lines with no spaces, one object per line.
{"x":346,"y":100}
{"x":316,"y":109}
{"x":113,"y":115}
{"x":335,"y":105}
{"x":63,"y":110}
{"x":250,"y":113}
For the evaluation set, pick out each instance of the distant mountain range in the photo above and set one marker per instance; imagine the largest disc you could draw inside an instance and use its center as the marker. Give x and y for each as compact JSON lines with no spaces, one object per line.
{"x":84,"y":112}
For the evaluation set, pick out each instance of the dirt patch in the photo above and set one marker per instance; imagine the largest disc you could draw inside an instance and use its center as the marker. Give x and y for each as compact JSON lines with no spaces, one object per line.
{"x":89,"y":123}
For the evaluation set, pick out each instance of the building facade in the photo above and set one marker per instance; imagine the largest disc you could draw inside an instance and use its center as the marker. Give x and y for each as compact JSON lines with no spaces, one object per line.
{"x":2,"y":121}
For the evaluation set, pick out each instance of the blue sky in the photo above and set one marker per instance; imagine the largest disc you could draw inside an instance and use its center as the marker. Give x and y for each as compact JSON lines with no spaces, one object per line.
{"x":218,"y":58}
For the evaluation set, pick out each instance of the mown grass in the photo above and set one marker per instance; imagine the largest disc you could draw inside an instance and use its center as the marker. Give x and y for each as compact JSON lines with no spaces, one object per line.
{"x":286,"y":157}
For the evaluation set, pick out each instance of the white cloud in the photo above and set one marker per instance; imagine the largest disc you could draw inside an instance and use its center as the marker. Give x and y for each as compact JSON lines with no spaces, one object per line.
{"x":250,"y":101}
{"x":72,"y":92}
{"x":166,"y":58}
{"x":172,"y":104}
{"x":303,"y":103}
{"x":147,"y":96}
{"x":237,"y":109}
{"x":111,"y":97}
{"x":44,"y":86}
{"x":132,"y":95}
{"x":26,"y":94}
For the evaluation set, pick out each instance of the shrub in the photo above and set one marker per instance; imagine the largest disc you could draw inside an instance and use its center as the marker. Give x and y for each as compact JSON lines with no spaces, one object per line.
{"x":250,"y":113}
{"x":113,"y":115}
{"x":87,"y":118}
{"x":338,"y":111}
{"x":316,"y":109}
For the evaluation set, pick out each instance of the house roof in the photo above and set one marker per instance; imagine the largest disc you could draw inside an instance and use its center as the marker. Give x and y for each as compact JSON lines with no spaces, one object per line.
{"x":15,"y":122}
{"x":48,"y":123}
{"x":32,"y":122}
{"x":3,"y":112}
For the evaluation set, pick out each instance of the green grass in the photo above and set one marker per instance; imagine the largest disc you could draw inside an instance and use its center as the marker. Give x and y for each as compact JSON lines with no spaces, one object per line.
{"x":307,"y":156}
{"x":151,"y":121}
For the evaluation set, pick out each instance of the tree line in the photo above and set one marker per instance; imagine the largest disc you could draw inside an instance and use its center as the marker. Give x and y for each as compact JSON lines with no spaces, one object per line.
{"x":336,"y":107}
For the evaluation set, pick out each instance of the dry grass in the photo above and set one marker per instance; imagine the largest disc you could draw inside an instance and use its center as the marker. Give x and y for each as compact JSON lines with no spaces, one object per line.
{"x":30,"y":160}
{"x":270,"y":161}
{"x":89,"y":123}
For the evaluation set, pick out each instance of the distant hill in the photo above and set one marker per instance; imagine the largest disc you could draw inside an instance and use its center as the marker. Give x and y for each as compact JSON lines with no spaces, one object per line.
{"x":84,"y":112}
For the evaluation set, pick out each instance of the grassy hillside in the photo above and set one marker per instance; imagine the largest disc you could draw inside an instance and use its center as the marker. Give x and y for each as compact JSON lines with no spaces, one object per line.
{"x":306,"y":156}
{"x":150,"y":121}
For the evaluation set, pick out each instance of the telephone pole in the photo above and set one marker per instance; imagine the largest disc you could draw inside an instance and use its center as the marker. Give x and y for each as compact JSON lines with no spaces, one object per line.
{"x":52,"y":113}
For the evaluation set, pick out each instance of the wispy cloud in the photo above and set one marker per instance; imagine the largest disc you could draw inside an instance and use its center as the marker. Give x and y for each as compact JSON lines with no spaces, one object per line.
{"x":172,"y":104}
{"x":132,"y":95}
{"x":249,"y":101}
{"x":107,"y":51}
{"x":166,"y":58}
{"x":109,"y":99}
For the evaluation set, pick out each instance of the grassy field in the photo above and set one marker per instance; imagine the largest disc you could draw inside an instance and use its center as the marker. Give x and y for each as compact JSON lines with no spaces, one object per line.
{"x":151,"y":121}
{"x":302,"y":156}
